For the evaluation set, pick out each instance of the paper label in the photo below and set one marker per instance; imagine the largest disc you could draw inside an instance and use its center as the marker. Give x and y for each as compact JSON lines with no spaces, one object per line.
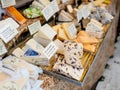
{"x":63,"y":1}
{"x":3,"y":49}
{"x":72,"y":30}
{"x":34,"y":27}
{"x":7,"y":34}
{"x":83,"y":12}
{"x":50,"y":50}
{"x":50,"y":10}
{"x":93,"y":27}
{"x":7,"y":3}
{"x":48,"y":31}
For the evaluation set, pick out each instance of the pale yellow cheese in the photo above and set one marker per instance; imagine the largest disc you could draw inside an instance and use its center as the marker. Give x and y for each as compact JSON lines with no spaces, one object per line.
{"x":69,"y":8}
{"x":61,"y":35}
{"x":60,"y":46}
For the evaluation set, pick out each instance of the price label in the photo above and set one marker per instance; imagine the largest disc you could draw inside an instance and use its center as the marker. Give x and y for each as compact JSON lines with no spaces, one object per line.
{"x":63,"y":1}
{"x":3,"y":49}
{"x":72,"y":30}
{"x":7,"y":33}
{"x":50,"y":10}
{"x":35,"y":27}
{"x":7,"y":3}
{"x":84,"y":12}
{"x":50,"y":50}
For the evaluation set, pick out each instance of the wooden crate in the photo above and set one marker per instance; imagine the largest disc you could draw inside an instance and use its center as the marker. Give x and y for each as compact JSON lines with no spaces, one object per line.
{"x":96,"y":69}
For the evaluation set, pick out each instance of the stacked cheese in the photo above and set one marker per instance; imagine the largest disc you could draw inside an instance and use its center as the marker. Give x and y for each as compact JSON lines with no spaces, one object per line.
{"x":65,"y":31}
{"x":19,"y":75}
{"x":70,"y":64}
{"x":89,"y":42}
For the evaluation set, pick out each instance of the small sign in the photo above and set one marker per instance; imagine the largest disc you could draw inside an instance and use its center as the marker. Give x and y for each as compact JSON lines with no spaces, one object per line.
{"x":3,"y":49}
{"x":7,"y":33}
{"x":72,"y":30}
{"x":34,"y":27}
{"x":84,"y":12}
{"x":50,"y":10}
{"x":50,"y":50}
{"x":7,"y":3}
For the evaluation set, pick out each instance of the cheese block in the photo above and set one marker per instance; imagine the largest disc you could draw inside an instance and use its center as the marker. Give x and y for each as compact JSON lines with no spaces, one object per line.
{"x":36,"y":60}
{"x":56,"y":27}
{"x":13,"y":62}
{"x":35,"y":46}
{"x":89,"y":47}
{"x":87,"y":40}
{"x":83,"y":33}
{"x":14,"y":13}
{"x":68,"y":70}
{"x":69,"y":8}
{"x":73,"y":48}
{"x":64,"y":16}
{"x":96,"y":34}
{"x":67,"y":29}
{"x":61,"y":35}
{"x":47,"y":32}
{"x":72,"y":60}
{"x":44,"y":2}
{"x":60,"y":46}
{"x":44,"y":42}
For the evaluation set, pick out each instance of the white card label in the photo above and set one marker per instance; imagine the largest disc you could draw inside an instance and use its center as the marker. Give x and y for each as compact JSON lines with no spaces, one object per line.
{"x":50,"y":10}
{"x":63,"y":1}
{"x":7,"y":3}
{"x":50,"y":50}
{"x":84,"y":12}
{"x":7,"y":34}
{"x":48,"y":31}
{"x":72,"y":30}
{"x":34,"y":27}
{"x":3,"y":49}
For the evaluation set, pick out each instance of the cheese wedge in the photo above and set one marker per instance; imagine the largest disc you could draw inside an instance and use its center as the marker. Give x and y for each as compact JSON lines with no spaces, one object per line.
{"x":44,"y":42}
{"x":87,"y":40}
{"x":56,"y":27}
{"x":35,"y":46}
{"x":89,"y":47}
{"x":66,"y":27}
{"x":47,"y":32}
{"x":61,"y":35}
{"x":69,"y":8}
{"x":83,"y":33}
{"x":14,"y":13}
{"x":60,"y":46}
{"x":68,"y":70}
{"x":64,"y":16}
{"x":96,"y":22}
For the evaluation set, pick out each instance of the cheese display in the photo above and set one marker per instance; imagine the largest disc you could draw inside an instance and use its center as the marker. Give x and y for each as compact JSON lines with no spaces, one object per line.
{"x":58,"y":37}
{"x":12,"y":11}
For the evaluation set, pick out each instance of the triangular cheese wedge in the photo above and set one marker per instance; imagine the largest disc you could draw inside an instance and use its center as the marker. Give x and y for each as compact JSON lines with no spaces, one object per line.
{"x":61,"y":35}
